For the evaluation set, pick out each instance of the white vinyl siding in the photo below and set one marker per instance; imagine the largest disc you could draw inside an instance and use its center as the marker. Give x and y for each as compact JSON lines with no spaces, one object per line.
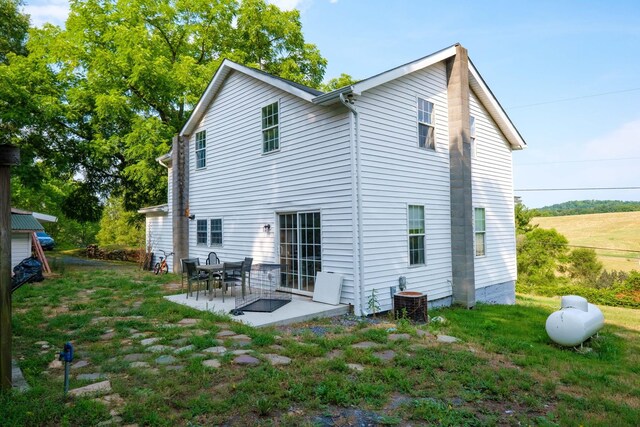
{"x":201,"y":149}
{"x":20,"y":247}
{"x":394,"y":175}
{"x":159,"y":236}
{"x":492,"y":186}
{"x":248,"y":189}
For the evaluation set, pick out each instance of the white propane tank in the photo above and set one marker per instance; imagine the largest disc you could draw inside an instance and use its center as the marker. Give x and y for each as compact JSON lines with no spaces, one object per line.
{"x":575,"y":322}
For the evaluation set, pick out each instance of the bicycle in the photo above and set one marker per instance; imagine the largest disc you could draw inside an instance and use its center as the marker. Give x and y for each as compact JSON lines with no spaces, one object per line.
{"x":162,"y":266}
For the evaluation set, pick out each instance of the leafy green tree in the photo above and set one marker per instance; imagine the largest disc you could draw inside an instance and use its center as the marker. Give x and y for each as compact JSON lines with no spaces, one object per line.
{"x":540,"y":253}
{"x":13,"y":29}
{"x":120,"y":227}
{"x":101,"y":98}
{"x":338,"y":82}
{"x":523,"y":218}
{"x":584,"y":266}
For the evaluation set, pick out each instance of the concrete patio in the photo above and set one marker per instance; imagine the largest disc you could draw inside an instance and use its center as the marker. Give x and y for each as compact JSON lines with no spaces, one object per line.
{"x":300,"y":308}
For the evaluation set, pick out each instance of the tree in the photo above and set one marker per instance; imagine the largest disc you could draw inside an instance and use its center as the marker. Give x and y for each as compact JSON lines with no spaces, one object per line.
{"x":523,"y":218}
{"x":338,"y":82}
{"x":13,"y":29}
{"x":101,"y":98}
{"x":584,"y":266}
{"x":540,"y":252}
{"x":120,"y":227}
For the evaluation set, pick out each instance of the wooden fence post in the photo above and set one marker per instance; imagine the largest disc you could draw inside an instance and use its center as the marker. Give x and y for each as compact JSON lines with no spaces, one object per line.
{"x":9,"y":156}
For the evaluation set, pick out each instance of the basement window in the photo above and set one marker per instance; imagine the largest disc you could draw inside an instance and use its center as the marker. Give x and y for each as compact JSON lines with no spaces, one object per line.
{"x":480,"y":231}
{"x":270,"y":128}
{"x":426,"y":129}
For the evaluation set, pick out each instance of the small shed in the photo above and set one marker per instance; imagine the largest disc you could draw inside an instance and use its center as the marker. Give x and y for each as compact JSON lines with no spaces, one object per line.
{"x":23,"y":225}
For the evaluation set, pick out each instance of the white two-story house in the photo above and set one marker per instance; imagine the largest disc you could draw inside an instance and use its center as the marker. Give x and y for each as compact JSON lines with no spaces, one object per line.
{"x":404,"y":174}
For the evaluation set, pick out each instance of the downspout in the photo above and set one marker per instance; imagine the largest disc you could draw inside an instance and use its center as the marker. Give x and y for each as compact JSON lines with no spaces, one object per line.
{"x":356,"y":206}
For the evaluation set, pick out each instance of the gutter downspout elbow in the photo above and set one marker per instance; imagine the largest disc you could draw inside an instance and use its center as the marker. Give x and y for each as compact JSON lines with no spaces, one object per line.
{"x":356,"y":206}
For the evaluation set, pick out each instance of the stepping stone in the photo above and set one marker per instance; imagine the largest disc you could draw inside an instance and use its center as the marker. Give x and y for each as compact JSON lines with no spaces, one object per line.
{"x":56,"y":364}
{"x":17,"y":379}
{"x":133,"y":331}
{"x":137,"y":335}
{"x":165,"y":360}
{"x":188,"y":322}
{"x":364,"y":344}
{"x":212,"y":363}
{"x":174,"y":367}
{"x":276,"y":359}
{"x":149,"y":341}
{"x":114,"y":421}
{"x":153,"y":371}
{"x":225,"y":333}
{"x":197,"y":332}
{"x":41,"y":343}
{"x":160,"y":348}
{"x":80,"y":364}
{"x":111,"y":400}
{"x":216,"y":350}
{"x":101,"y":387}
{"x":276,"y":347}
{"x":240,"y":352}
{"x":197,"y":355}
{"x":399,"y":337}
{"x":355,"y":367}
{"x":241,"y":343}
{"x":180,"y":341}
{"x":447,"y":339}
{"x":134,"y":357}
{"x":241,"y":337}
{"x":424,"y":334}
{"x":107,"y":336}
{"x":246,"y":360}
{"x":139,"y":365}
{"x":91,"y":377}
{"x":334,"y":354}
{"x":385,"y":355}
{"x":185,"y":349}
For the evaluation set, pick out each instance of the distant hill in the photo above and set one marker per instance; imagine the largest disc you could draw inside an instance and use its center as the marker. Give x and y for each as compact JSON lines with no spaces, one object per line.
{"x":581,"y":207}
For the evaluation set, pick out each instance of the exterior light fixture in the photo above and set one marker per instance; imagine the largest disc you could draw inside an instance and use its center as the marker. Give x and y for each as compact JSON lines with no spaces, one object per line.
{"x":267,"y":228}
{"x":192,"y":217}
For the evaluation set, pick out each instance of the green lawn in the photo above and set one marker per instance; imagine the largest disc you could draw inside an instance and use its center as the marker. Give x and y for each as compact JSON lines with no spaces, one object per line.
{"x":504,"y":370}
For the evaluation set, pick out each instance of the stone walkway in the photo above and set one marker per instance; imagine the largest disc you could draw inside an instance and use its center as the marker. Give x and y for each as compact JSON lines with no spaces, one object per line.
{"x":145,"y":352}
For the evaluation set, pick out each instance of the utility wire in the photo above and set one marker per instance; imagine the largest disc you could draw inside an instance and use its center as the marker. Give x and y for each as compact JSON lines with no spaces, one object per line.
{"x":604,"y":249}
{"x":575,"y":98}
{"x":578,"y":189}
{"x":579,"y":161}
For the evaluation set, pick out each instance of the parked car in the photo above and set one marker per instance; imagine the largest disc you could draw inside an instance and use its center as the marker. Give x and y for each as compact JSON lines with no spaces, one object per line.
{"x":45,"y":240}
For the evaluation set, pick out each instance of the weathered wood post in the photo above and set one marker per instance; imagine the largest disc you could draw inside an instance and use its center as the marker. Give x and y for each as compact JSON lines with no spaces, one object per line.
{"x":9,"y":156}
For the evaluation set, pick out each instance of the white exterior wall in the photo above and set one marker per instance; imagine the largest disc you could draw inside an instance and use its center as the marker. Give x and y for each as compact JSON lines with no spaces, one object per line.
{"x":492,"y":186}
{"x":20,"y":247}
{"x":246,"y":188}
{"x":397,"y":173}
{"x":160,"y":236}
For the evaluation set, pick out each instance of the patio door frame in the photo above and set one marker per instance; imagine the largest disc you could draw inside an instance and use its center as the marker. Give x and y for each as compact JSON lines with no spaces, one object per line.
{"x":298,"y":258}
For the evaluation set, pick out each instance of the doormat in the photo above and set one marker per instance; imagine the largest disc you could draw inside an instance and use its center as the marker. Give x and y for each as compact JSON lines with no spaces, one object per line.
{"x":264,"y":305}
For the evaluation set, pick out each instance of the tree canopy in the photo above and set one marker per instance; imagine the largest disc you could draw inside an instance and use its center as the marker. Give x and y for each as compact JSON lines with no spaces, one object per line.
{"x":99,"y":100}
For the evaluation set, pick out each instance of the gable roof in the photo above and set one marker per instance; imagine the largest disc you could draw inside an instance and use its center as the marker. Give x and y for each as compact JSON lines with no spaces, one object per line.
{"x":476,"y":82}
{"x":24,"y":222}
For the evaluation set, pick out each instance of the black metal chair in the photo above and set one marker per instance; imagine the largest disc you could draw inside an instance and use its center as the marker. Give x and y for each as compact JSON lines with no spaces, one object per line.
{"x":246,"y":269}
{"x":193,"y":276}
{"x":183,"y":269}
{"x":212,"y":258}
{"x":228,"y":277}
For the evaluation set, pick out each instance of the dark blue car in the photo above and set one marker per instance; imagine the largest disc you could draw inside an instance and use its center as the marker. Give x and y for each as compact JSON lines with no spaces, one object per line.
{"x":45,"y":240}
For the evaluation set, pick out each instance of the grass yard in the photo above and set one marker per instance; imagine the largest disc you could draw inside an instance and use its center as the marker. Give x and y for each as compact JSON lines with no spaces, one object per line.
{"x":618,"y":230}
{"x":342,"y":371}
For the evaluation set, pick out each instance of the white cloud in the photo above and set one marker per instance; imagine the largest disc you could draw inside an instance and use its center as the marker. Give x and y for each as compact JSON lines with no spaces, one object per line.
{"x":51,"y":11}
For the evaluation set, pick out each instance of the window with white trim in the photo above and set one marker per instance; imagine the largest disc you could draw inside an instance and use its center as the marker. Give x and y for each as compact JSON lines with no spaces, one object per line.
{"x":416,"y":231}
{"x":201,"y":232}
{"x":426,"y":129}
{"x":201,"y":149}
{"x":472,"y":136}
{"x":270,"y":128}
{"x":215,"y":232}
{"x":480,"y":231}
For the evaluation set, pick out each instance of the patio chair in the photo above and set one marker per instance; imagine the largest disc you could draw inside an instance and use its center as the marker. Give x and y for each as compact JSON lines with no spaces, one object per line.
{"x":228,"y":278}
{"x":247,"y":271}
{"x":212,"y":258}
{"x":184,"y":270}
{"x":193,"y":276}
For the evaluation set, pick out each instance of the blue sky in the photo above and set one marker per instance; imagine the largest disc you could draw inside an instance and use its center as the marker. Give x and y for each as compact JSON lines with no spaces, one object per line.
{"x":553,"y":65}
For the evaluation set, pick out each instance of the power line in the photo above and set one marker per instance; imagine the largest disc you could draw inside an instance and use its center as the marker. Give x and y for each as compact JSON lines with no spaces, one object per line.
{"x":604,"y":249}
{"x":577,"y":189}
{"x":580,"y":161}
{"x":575,"y":98}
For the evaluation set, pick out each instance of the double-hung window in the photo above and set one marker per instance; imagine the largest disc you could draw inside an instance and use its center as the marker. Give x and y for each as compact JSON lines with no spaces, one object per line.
{"x":472,"y":136}
{"x":270,"y":130}
{"x":426,"y":129}
{"x":215,"y":232}
{"x":201,"y":232}
{"x":416,"y":235}
{"x":201,"y":149}
{"x":480,"y":231}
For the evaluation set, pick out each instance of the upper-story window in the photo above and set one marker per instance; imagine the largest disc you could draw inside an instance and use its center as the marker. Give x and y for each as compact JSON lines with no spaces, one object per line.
{"x":201,"y":149}
{"x":270,"y":131}
{"x":416,"y":235}
{"x":426,"y":129}
{"x":480,"y":231}
{"x":472,"y":136}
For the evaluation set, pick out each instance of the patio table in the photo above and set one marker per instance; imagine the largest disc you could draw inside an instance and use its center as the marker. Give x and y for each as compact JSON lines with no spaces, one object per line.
{"x":211,"y":270}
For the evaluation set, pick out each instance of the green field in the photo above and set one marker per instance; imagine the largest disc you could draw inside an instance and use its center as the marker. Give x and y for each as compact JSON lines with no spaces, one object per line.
{"x":619,"y":230}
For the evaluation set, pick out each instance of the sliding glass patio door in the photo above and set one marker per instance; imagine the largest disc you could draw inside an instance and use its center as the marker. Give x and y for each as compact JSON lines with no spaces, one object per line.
{"x":300,"y":249}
